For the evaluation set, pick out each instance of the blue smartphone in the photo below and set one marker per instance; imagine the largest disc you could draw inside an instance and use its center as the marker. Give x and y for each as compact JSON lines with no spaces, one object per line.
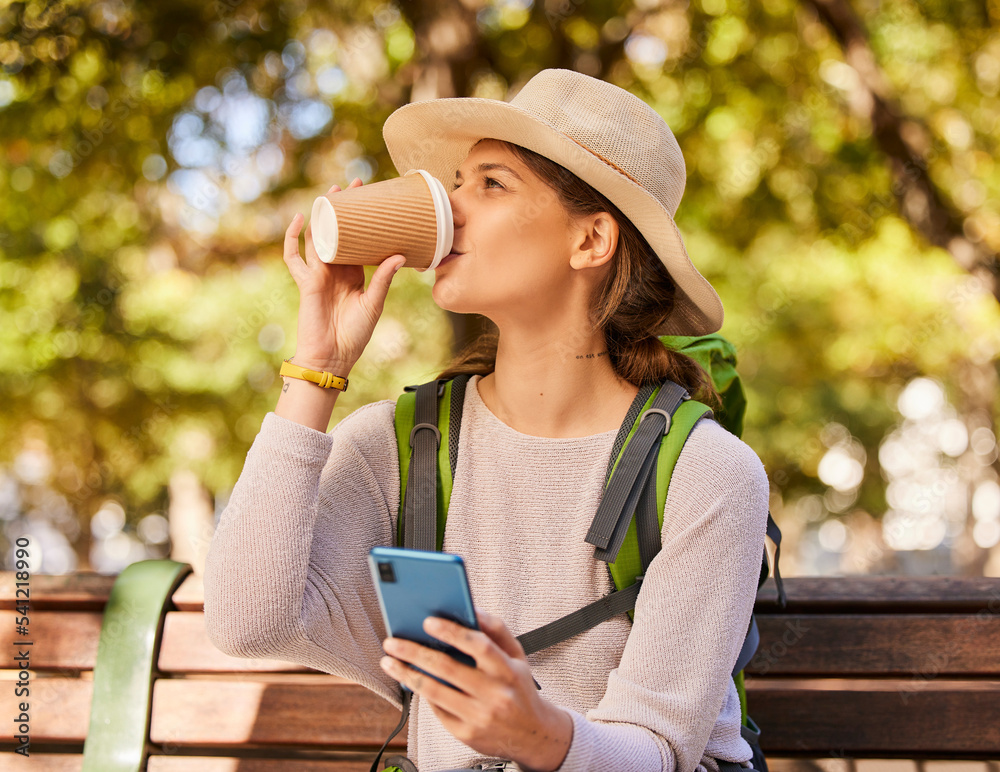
{"x":415,"y":584}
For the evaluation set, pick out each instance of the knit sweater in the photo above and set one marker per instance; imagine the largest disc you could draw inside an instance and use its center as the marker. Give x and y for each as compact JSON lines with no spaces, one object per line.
{"x":286,"y":577}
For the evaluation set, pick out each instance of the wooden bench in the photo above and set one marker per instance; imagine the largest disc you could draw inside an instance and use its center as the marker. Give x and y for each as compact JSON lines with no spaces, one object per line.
{"x":879,"y":667}
{"x":148,"y":683}
{"x":870,"y":667}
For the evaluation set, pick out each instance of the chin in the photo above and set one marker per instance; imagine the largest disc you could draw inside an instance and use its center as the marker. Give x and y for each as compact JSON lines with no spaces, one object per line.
{"x":449,"y":295}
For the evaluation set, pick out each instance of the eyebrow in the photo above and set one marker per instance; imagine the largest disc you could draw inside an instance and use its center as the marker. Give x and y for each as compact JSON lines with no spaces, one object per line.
{"x":486,"y":167}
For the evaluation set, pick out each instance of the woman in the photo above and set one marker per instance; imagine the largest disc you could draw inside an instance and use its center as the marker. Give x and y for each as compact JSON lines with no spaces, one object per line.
{"x":564,"y":237}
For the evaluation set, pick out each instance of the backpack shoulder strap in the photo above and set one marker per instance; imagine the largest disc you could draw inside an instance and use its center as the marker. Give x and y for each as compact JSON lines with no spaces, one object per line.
{"x":427,"y":456}
{"x":629,"y":564}
{"x":632,"y":470}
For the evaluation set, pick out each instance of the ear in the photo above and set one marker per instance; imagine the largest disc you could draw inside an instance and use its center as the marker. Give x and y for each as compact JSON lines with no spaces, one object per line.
{"x":595,"y":239}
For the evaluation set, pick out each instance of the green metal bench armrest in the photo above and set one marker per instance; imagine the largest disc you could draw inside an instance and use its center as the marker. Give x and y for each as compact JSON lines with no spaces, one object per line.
{"x":129,"y":646}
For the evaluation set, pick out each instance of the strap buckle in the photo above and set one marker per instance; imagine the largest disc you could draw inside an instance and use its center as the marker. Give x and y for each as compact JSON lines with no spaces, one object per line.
{"x":437,"y":432}
{"x":663,"y":413}
{"x":413,"y":387}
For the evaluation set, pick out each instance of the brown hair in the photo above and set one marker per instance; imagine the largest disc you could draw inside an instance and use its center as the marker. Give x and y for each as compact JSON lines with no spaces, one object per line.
{"x":634,"y":299}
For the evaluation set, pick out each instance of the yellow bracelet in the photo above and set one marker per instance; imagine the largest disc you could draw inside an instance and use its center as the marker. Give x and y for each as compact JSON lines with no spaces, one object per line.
{"x":323,"y":379}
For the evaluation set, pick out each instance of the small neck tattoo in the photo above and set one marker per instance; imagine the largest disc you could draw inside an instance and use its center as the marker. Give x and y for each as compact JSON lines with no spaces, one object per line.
{"x":592,"y":356}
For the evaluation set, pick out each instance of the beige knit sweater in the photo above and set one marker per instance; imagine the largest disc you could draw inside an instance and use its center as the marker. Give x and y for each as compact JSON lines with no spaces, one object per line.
{"x":286,"y":577}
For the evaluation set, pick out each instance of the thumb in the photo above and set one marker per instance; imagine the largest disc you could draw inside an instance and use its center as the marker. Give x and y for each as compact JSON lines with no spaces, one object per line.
{"x":378,"y":287}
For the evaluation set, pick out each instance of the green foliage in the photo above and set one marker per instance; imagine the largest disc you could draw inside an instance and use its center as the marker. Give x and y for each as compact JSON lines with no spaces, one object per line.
{"x":147,"y":308}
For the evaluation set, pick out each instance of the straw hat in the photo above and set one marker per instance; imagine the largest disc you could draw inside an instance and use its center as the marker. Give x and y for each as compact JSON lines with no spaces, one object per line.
{"x":606,"y":136}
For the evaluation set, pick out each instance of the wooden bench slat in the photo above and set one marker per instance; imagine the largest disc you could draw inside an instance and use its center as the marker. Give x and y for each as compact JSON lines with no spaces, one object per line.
{"x":190,"y":596}
{"x":857,"y":685}
{"x":59,"y":639}
{"x":895,"y":645}
{"x":64,"y":762}
{"x":867,"y":644}
{"x":186,"y":649}
{"x":81,"y":591}
{"x":885,"y":594}
{"x":86,"y":591}
{"x":225,"y":764}
{"x":43,"y":762}
{"x":69,"y":640}
{"x":213,"y":713}
{"x":962,"y":715}
{"x":208,"y":712}
{"x":929,"y":644}
{"x":67,"y":762}
{"x":58,"y":709}
{"x":954,"y":718}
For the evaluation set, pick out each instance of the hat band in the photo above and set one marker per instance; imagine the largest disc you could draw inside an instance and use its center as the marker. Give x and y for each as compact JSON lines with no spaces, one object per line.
{"x":602,"y":158}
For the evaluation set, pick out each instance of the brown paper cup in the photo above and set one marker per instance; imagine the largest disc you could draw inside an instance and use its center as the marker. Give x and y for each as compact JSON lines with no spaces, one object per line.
{"x":409,"y":215}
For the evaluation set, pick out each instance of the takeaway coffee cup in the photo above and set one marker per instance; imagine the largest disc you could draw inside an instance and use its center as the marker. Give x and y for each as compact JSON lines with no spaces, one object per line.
{"x":409,"y":216}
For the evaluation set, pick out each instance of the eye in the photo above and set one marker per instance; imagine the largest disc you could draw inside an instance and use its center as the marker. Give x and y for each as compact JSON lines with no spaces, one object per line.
{"x":486,"y":182}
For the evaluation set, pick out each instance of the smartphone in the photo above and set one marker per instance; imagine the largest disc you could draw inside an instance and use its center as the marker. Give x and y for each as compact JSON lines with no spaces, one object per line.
{"x":415,"y":584}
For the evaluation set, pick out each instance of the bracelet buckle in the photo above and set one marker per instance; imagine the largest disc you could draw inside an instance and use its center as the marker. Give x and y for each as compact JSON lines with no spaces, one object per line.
{"x":322,"y":378}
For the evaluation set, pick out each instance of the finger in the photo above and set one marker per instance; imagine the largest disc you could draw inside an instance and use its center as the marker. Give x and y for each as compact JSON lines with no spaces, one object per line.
{"x":409,"y":655}
{"x":312,"y":256}
{"x":380,"y":282}
{"x":476,"y":643}
{"x":291,"y":246}
{"x":355,"y":183}
{"x":450,"y":701}
{"x":435,"y":662}
{"x":333,"y":189}
{"x":495,"y":628}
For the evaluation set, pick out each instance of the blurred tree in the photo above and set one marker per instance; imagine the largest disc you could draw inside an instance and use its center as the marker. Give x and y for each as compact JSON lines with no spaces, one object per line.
{"x":841,"y":188}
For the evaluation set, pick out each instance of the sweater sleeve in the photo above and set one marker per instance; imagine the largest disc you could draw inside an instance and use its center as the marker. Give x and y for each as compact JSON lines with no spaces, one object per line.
{"x":674,"y":678}
{"x":286,"y":575}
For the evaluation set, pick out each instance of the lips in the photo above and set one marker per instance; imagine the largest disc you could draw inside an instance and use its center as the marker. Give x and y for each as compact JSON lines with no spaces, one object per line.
{"x":449,"y":257}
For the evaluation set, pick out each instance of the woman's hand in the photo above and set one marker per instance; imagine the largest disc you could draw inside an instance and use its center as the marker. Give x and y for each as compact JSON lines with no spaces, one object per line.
{"x":498,"y":711}
{"x":336,"y":314}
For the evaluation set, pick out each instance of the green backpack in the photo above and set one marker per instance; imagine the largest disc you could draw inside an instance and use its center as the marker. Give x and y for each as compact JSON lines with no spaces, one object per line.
{"x":626,"y":529}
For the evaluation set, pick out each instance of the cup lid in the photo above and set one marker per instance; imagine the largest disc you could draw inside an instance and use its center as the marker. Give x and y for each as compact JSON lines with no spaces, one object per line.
{"x":324,"y":229}
{"x":445,"y":219}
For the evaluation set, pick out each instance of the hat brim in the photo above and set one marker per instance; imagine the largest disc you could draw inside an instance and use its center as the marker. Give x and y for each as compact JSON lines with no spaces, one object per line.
{"x":437,"y":134}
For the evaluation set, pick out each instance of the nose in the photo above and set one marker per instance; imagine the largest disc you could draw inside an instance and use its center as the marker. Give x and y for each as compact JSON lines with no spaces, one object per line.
{"x":458,"y":213}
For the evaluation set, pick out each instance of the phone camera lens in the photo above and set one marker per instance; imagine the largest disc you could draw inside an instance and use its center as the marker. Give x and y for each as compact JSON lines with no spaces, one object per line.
{"x":385,"y":572}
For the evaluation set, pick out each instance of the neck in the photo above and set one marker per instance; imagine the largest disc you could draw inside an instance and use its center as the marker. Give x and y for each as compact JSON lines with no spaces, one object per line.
{"x":549,"y":385}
